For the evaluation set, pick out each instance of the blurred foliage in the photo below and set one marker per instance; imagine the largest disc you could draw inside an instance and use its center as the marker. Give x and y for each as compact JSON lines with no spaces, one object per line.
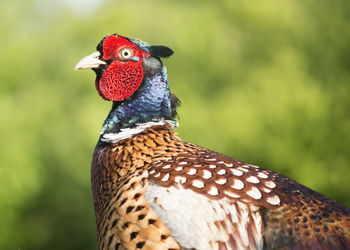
{"x":267,"y":83}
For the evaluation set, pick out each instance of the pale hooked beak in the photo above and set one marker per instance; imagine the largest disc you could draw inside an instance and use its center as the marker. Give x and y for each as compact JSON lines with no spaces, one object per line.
{"x":90,"y":61}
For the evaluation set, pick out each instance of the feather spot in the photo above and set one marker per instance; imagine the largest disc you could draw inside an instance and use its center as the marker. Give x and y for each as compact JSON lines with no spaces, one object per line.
{"x":221,"y":172}
{"x":232,"y":195}
{"x":165,"y":177}
{"x":180,"y":179}
{"x":152,"y":171}
{"x":266,"y":190}
{"x":228,"y":164}
{"x":243,"y":169}
{"x":273,"y":200}
{"x":178,"y":169}
{"x":236,"y":172}
{"x":140,"y":244}
{"x":270,"y":184}
{"x":133,"y":235}
{"x":262,"y":175}
{"x":211,"y":159}
{"x":191,"y":171}
{"x":252,"y":179}
{"x":198,"y":184}
{"x":245,"y":166}
{"x":183,"y":163}
{"x":221,"y":181}
{"x":213,"y":191}
{"x":207,"y":174}
{"x":237,"y":184}
{"x":167,"y":166}
{"x":254,"y":193}
{"x":157,"y":175}
{"x":151,"y":221}
{"x":212,"y":166}
{"x":221,"y":162}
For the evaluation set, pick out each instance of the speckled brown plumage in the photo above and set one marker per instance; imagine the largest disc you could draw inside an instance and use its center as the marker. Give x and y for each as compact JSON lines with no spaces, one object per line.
{"x":124,"y":218}
{"x":306,"y":219}
{"x":280,"y":213}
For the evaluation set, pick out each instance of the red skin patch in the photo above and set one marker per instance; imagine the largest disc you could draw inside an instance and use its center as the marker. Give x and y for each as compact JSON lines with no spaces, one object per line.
{"x":122,"y":77}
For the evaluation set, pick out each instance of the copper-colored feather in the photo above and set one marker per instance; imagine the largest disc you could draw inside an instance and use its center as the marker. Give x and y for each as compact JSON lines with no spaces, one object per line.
{"x":143,"y":185}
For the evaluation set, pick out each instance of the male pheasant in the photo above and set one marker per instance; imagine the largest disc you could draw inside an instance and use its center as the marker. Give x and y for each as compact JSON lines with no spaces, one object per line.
{"x":151,"y":190}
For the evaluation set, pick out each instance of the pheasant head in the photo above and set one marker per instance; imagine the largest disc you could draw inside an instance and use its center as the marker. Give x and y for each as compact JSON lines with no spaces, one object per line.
{"x":121,"y":64}
{"x":130,"y":73}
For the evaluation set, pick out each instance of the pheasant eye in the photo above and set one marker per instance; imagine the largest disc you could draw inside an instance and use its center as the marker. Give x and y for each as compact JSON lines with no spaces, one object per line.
{"x":125,"y":53}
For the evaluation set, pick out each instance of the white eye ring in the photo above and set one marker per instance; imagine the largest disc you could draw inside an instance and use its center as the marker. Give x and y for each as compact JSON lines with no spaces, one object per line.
{"x":125,"y":53}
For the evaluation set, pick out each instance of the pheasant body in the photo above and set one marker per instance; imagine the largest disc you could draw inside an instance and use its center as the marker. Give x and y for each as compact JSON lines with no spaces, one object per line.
{"x":152,"y":190}
{"x":182,"y":183}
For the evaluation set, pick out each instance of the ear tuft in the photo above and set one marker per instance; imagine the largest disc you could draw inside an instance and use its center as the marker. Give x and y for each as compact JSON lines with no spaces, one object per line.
{"x":160,"y":51}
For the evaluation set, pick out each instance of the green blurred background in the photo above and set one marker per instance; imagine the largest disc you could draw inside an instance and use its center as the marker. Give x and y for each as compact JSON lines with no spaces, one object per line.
{"x":266,"y":82}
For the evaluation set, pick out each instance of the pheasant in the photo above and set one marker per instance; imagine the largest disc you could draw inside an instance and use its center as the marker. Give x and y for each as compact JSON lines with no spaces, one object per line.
{"x":151,"y":190}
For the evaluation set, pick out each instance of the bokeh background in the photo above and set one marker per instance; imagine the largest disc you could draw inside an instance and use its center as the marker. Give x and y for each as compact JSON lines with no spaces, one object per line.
{"x":266,"y":82}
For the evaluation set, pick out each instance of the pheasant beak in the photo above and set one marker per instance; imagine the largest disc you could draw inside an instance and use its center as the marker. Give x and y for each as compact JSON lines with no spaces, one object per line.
{"x":90,"y":61}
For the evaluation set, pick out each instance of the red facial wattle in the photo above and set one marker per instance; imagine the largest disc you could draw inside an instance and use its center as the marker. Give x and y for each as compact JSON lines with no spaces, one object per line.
{"x":121,"y":78}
